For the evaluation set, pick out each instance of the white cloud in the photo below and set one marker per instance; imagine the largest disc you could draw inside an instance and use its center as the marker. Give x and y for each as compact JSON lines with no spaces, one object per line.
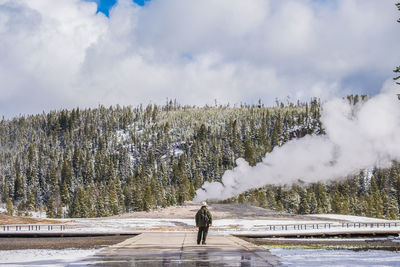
{"x":58,"y":54}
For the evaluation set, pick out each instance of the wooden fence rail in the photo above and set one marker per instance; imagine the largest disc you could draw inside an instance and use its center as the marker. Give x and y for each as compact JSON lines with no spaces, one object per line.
{"x":33,"y":227}
{"x":321,"y":226}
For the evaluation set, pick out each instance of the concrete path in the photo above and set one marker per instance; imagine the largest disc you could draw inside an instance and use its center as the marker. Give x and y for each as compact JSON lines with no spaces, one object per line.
{"x":180,"y":249}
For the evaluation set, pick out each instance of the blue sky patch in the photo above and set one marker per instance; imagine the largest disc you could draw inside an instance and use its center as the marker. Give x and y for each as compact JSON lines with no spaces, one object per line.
{"x":104,"y":6}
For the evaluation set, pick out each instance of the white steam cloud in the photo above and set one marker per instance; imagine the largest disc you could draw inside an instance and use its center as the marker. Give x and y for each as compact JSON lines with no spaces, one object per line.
{"x":357,"y":137}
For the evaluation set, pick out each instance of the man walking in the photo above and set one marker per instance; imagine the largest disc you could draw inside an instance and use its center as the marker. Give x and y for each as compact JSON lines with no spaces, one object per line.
{"x":203,"y":221}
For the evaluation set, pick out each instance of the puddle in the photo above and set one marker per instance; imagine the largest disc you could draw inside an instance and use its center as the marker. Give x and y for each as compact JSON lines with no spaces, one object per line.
{"x":190,"y":259}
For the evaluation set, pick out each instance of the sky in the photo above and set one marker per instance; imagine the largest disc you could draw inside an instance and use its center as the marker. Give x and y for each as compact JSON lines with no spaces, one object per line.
{"x":66,"y":54}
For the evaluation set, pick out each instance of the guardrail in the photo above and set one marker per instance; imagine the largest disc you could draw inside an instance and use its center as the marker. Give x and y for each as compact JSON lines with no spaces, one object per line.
{"x":32,"y":227}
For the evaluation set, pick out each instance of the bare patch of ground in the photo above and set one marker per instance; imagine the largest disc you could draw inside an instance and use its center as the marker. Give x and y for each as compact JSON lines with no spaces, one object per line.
{"x":60,"y":242}
{"x":6,"y":219}
{"x":219,"y":211}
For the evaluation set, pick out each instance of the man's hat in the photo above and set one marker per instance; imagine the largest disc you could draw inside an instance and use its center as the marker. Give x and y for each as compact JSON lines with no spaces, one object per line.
{"x":204,"y":203}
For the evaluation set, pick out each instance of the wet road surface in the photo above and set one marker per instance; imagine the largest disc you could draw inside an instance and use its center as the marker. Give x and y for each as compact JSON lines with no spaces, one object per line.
{"x":180,"y":249}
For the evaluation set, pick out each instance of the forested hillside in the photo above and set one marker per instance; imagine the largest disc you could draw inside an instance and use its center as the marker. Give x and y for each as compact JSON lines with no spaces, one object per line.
{"x":106,"y":161}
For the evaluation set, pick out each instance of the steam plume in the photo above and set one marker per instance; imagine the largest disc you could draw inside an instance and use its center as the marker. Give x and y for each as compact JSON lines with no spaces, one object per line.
{"x":357,"y":137}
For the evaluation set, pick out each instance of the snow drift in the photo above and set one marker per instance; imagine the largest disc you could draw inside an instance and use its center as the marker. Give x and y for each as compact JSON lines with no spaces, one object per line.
{"x":357,"y":137}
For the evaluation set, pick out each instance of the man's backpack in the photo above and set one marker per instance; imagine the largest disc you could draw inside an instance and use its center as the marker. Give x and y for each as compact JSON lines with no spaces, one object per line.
{"x":204,"y":219}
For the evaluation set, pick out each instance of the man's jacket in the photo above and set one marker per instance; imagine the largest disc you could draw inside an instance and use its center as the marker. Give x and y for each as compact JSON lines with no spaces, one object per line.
{"x":200,"y":217}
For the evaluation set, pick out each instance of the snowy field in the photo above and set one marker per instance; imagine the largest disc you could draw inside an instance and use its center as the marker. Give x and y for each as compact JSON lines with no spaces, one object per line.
{"x":222,"y":225}
{"x":330,"y":258}
{"x":234,"y":226}
{"x":45,"y":257}
{"x":225,"y":226}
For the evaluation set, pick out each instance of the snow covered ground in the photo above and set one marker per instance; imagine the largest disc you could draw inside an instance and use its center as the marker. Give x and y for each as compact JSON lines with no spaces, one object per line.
{"x":326,"y":257}
{"x":44,"y":257}
{"x":224,"y":226}
{"x":229,"y":226}
{"x":289,"y":257}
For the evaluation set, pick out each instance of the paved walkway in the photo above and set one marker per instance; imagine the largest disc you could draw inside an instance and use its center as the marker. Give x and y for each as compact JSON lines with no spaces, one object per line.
{"x":180,"y":249}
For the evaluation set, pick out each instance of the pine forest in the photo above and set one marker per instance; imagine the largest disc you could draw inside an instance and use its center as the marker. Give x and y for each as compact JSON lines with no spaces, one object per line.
{"x":111,"y":160}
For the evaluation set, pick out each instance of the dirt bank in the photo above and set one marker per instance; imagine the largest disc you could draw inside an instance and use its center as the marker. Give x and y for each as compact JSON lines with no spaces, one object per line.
{"x":6,"y":219}
{"x":60,"y":242}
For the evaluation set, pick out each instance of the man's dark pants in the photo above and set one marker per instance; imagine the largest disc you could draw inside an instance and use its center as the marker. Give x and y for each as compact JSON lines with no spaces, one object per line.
{"x":203,"y":231}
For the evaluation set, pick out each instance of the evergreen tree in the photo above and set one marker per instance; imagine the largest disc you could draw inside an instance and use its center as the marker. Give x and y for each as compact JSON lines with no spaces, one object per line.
{"x":19,"y":187}
{"x":242,"y":199}
{"x":100,"y":210}
{"x":51,"y":209}
{"x":20,"y":208}
{"x":148,"y":199}
{"x":114,"y":202}
{"x":391,"y":209}
{"x":59,"y":210}
{"x":10,"y":207}
{"x":323,"y":200}
{"x":271,"y":202}
{"x":65,"y":193}
{"x":66,"y":172}
{"x":249,"y":152}
{"x":313,"y":204}
{"x":31,"y":204}
{"x":304,"y":205}
{"x":5,"y":191}
{"x":261,"y":198}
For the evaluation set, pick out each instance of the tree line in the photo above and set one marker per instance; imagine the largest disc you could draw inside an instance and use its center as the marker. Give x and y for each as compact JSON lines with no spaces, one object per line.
{"x":110,"y":160}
